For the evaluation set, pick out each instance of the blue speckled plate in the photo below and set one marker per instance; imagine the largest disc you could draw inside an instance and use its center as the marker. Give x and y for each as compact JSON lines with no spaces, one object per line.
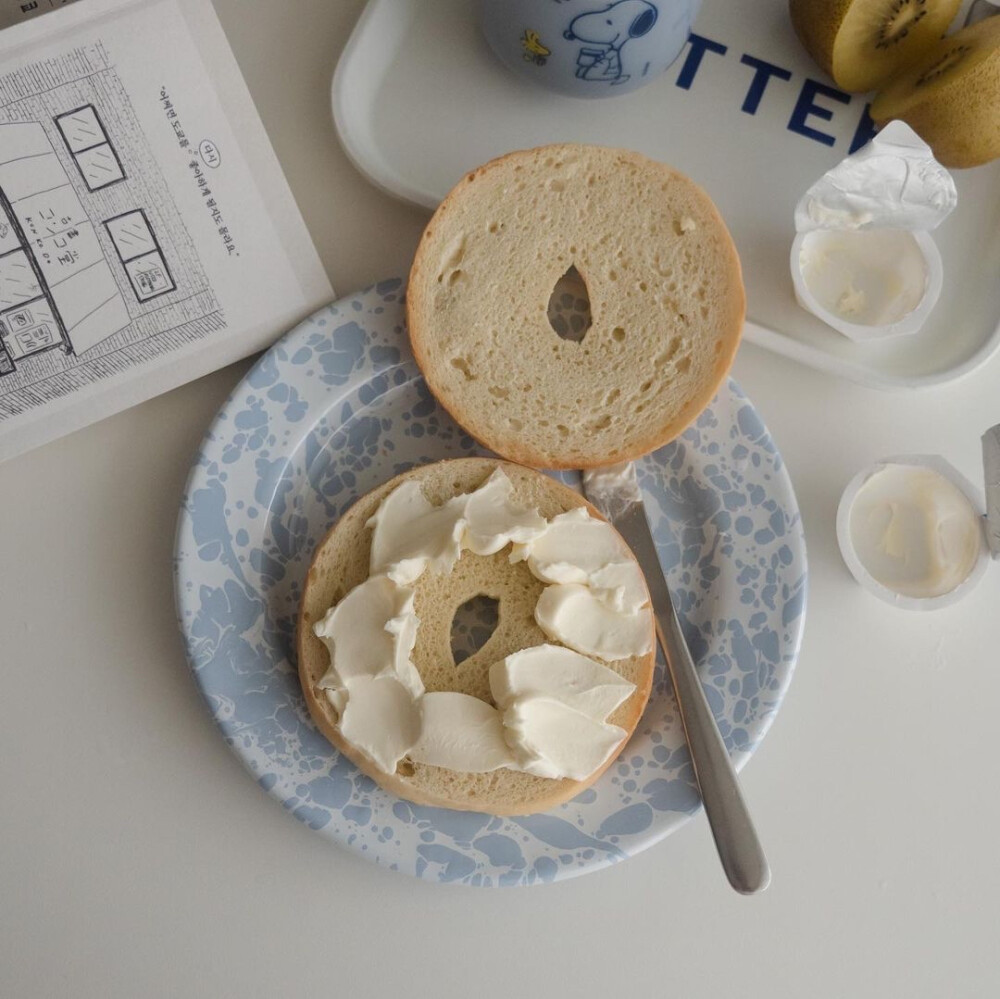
{"x":338,"y":407}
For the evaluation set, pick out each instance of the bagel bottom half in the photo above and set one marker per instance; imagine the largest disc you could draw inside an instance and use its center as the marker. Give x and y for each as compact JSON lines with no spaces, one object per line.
{"x":341,"y":562}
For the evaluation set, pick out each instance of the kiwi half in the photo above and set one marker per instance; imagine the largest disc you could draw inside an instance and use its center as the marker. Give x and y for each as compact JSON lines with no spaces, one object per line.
{"x":861,"y":43}
{"x":951,"y":97}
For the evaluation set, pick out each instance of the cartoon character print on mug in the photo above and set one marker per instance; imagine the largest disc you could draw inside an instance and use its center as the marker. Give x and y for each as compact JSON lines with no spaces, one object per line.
{"x":585,"y":48}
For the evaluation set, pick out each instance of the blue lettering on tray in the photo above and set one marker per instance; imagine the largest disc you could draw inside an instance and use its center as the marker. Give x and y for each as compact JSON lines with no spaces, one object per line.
{"x":807,"y":109}
{"x":699,"y":46}
{"x":865,"y":130}
{"x":763,"y":72}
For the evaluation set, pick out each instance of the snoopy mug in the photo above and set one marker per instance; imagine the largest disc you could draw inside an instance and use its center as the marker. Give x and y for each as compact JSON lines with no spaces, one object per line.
{"x":588,"y":48}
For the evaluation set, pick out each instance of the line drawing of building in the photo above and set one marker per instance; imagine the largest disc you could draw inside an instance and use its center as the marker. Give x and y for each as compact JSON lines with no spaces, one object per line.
{"x":100,"y":277}
{"x":93,"y":152}
{"x":140,"y":254}
{"x":56,"y":287}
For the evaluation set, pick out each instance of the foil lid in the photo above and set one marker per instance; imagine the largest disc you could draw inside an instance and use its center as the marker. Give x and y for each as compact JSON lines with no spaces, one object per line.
{"x":893,"y":182}
{"x":991,"y":464}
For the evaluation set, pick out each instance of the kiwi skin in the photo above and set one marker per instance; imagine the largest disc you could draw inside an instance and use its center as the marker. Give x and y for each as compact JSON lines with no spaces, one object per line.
{"x":956,"y":113}
{"x":819,"y":24}
{"x":816,"y":23}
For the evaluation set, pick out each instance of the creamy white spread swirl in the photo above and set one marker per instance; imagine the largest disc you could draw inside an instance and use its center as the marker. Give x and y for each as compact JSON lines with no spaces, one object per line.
{"x":914,"y":531}
{"x":551,"y":701}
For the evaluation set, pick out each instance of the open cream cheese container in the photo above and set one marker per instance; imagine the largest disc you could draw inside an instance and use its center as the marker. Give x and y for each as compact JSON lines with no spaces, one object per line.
{"x":863,"y":259}
{"x":912,"y":529}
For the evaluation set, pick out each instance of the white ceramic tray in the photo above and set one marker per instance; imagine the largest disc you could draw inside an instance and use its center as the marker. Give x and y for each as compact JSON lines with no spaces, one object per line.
{"x":419,"y":99}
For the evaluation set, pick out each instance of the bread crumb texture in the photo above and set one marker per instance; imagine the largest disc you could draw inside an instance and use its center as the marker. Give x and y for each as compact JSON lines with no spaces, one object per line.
{"x":665,"y":291}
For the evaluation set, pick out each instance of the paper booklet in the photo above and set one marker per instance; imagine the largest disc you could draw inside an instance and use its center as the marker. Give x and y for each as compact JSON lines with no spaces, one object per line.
{"x":147,"y":235}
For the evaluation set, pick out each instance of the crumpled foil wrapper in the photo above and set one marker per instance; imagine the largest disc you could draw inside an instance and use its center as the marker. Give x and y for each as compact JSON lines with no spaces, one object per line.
{"x":893,"y":182}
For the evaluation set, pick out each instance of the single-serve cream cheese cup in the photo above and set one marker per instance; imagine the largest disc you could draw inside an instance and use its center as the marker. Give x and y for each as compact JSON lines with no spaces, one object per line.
{"x":911,"y":529}
{"x":863,"y":259}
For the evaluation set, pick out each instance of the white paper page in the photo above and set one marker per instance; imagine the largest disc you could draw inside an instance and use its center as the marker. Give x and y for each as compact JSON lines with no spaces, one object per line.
{"x":12,"y":11}
{"x":147,"y":235}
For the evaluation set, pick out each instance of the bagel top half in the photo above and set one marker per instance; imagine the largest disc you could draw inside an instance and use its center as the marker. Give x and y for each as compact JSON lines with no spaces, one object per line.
{"x":665,"y":292}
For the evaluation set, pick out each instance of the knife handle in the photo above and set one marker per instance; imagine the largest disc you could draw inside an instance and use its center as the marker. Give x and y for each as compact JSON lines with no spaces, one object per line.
{"x":735,"y":837}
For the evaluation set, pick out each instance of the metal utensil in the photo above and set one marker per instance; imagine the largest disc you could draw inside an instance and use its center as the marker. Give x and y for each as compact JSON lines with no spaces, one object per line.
{"x":980,"y":10}
{"x":991,"y":468}
{"x":615,"y":492}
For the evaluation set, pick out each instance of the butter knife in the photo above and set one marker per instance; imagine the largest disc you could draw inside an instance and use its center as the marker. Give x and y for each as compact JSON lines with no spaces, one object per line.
{"x":991,"y":467}
{"x":615,"y":492}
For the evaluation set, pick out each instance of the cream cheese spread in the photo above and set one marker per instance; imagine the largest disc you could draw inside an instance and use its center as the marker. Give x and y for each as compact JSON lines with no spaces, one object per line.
{"x":863,"y":260}
{"x":410,"y":534}
{"x":872,"y":278}
{"x":492,"y":521}
{"x":555,"y":703}
{"x":371,"y":632}
{"x":557,"y":741}
{"x":382,"y":718}
{"x":551,"y":702}
{"x":577,"y":548}
{"x":577,"y":617}
{"x":618,"y":481}
{"x":914,"y":531}
{"x":554,"y":672}
{"x":461,"y":732}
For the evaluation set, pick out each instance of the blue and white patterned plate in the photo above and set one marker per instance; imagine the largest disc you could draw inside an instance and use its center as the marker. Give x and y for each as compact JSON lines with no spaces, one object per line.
{"x":338,"y":407}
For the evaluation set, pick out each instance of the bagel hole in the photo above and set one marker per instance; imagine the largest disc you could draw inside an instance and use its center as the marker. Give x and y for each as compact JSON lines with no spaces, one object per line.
{"x":473,"y":624}
{"x":569,"y":307}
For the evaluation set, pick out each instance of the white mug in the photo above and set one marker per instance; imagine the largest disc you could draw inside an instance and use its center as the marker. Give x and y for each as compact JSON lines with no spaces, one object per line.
{"x":588,"y":48}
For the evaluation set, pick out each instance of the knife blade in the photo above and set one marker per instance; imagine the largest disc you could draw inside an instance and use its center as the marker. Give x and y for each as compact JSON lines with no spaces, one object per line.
{"x":616,"y":494}
{"x":991,"y":467}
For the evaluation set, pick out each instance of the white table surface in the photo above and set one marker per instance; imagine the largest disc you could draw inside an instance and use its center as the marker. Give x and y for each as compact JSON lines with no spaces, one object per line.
{"x":138,"y":859}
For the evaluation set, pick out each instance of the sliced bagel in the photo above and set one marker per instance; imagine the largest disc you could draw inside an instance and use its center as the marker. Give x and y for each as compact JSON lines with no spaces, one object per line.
{"x":664,"y":285}
{"x":341,"y":562}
